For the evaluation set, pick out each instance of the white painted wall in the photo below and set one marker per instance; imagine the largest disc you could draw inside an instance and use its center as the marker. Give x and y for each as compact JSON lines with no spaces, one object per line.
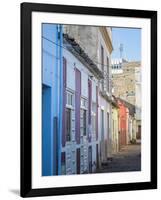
{"x":70,"y":147}
{"x":73,"y":62}
{"x":103,"y":104}
{"x":138,"y":92}
{"x":84,"y":83}
{"x":106,"y":54}
{"x":94,"y":84}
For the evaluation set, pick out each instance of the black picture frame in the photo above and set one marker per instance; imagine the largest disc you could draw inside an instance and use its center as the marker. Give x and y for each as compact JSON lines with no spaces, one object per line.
{"x":26,"y":103}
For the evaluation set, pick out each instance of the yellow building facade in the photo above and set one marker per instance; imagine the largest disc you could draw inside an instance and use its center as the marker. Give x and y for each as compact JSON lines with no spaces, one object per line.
{"x":115,"y":128}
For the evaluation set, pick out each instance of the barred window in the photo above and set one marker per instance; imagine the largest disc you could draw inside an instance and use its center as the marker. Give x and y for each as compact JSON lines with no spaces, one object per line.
{"x":83,"y":103}
{"x":94,"y":107}
{"x":69,"y":98}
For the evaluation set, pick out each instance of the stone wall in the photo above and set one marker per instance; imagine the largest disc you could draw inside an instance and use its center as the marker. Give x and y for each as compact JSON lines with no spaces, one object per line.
{"x":86,"y":37}
{"x":124,"y":84}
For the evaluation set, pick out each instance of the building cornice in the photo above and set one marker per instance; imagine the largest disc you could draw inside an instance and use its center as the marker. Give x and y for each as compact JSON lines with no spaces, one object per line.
{"x":106,"y":96}
{"x":106,"y":38}
{"x":114,"y":102}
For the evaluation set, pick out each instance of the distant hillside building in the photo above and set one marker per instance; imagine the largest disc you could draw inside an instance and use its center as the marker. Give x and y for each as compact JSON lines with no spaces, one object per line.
{"x":138,"y":101}
{"x":126,"y":81}
{"x":117,"y":65}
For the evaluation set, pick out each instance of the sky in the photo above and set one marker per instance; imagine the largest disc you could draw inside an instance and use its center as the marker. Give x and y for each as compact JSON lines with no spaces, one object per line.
{"x":130,"y":38}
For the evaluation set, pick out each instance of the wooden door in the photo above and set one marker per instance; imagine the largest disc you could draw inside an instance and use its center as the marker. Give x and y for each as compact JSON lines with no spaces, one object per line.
{"x":139,"y":132}
{"x":78,"y":161}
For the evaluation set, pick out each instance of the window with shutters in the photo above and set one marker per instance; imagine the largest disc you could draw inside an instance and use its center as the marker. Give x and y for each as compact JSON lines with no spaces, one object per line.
{"x":102,"y":65}
{"x":83,"y":117}
{"x":102,"y":125}
{"x":102,"y":58}
{"x":108,"y":75}
{"x":69,"y":114}
{"x":69,"y":98}
{"x":94,"y":107}
{"x":83,"y":103}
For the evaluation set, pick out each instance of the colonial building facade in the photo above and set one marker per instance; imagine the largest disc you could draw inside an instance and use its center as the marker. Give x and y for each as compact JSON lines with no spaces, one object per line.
{"x":51,"y":102}
{"x":105,"y":106}
{"x":80,"y":152}
{"x":87,"y":53}
{"x":115,"y":126}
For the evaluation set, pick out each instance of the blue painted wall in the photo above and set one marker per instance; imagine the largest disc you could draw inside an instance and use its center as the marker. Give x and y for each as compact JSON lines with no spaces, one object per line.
{"x":51,"y":98}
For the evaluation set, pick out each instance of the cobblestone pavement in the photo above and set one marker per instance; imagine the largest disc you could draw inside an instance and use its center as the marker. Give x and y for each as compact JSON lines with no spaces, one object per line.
{"x":128,"y":159}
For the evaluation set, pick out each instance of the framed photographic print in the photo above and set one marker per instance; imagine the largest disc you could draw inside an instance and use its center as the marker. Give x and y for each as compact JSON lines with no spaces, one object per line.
{"x":88,"y":99}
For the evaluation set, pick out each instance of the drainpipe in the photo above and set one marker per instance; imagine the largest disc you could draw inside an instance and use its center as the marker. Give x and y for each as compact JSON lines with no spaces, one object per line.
{"x":60,"y":94}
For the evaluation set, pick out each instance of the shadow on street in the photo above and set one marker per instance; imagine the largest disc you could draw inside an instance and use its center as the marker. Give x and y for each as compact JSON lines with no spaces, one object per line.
{"x":128,"y":159}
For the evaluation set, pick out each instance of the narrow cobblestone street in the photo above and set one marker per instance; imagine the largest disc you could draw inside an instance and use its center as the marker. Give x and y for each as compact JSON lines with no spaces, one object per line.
{"x":128,"y":159}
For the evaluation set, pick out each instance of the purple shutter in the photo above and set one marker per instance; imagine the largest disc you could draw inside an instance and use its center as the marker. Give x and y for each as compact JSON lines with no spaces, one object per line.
{"x":89,"y":108}
{"x":77,"y":104}
{"x":97,"y":112}
{"x":63,"y":163}
{"x":64,"y":101}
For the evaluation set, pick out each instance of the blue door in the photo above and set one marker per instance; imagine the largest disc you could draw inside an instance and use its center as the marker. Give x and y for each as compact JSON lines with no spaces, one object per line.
{"x":47,"y":131}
